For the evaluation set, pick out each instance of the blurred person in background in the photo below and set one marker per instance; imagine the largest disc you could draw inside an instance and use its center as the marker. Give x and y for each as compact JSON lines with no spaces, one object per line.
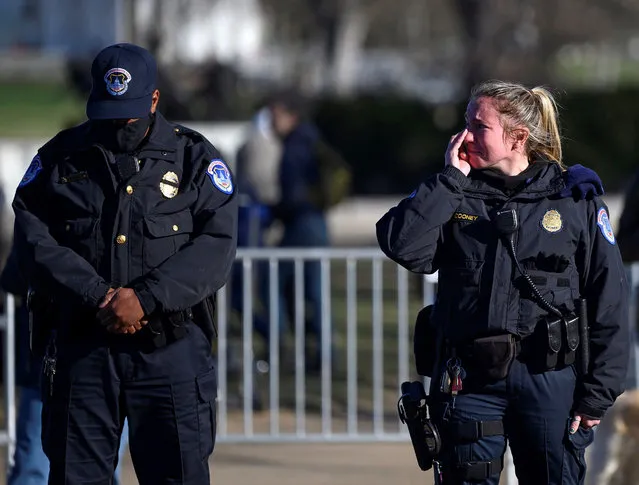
{"x":258,"y":186}
{"x":313,"y":178}
{"x":31,"y":465}
{"x":517,"y":240}
{"x":136,"y":235}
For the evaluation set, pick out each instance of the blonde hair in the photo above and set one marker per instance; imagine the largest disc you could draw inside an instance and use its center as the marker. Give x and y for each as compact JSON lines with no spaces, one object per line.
{"x":534,"y":108}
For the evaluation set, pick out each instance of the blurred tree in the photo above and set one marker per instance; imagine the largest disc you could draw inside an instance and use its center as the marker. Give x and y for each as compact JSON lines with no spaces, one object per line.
{"x":335,"y":31}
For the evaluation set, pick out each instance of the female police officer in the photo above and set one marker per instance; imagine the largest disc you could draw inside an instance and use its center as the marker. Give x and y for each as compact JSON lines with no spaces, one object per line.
{"x":517,"y":252}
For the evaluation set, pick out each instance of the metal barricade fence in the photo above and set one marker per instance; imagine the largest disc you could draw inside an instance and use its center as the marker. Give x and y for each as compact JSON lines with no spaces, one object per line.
{"x":266,"y":392}
{"x":365,"y":347}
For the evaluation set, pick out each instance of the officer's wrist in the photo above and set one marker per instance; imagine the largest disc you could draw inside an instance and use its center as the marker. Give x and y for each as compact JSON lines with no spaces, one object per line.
{"x":455,"y":174}
{"x":147,"y":301}
{"x":95,"y":297}
{"x":590,"y":412}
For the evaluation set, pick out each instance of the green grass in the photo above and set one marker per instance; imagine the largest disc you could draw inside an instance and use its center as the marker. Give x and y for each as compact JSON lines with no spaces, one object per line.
{"x":38,"y":110}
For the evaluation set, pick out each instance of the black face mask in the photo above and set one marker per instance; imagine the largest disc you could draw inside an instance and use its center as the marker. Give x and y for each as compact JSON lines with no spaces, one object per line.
{"x":120,"y":137}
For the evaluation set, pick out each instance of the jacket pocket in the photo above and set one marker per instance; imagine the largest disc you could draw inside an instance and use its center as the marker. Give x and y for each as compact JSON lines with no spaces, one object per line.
{"x":574,"y":459}
{"x":556,"y":288}
{"x":80,"y":235}
{"x":164,"y":235}
{"x":462,"y":284}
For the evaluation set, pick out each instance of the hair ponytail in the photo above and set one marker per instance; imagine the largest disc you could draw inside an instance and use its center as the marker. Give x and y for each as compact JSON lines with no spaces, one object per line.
{"x":549,"y":125}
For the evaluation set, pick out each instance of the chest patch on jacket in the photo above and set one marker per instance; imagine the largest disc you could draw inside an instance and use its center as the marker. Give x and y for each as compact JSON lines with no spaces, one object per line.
{"x":551,"y":221}
{"x":462,"y":217}
{"x":603,"y":221}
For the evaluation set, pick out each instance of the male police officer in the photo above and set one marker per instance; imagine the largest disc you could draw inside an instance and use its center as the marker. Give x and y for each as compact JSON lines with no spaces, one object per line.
{"x":128,"y":223}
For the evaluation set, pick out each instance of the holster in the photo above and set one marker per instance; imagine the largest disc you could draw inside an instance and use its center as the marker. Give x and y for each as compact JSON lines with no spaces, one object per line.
{"x":168,"y":327}
{"x":412,"y":408}
{"x":204,"y":317}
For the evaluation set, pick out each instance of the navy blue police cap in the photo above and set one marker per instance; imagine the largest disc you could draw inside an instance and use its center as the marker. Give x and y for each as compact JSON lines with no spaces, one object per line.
{"x":124,"y":77}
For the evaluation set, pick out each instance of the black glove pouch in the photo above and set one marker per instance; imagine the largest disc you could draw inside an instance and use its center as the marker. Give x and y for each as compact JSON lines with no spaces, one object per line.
{"x":571,"y":328}
{"x":494,"y":355}
{"x":553,"y":326}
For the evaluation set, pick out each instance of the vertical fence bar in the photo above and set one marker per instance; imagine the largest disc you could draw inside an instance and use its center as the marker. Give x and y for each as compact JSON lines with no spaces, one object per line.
{"x":402,"y":328}
{"x":351,"y":344}
{"x":326,"y":347}
{"x":274,"y":345}
{"x":378,"y":348}
{"x":300,"y":330}
{"x":10,"y":380}
{"x":427,"y":299}
{"x":247,"y":340}
{"x":222,"y":360}
{"x":428,"y":290}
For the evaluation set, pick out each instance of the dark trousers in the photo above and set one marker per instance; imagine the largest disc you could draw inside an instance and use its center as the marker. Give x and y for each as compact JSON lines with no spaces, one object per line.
{"x":535,"y":410}
{"x":168,"y":396}
{"x":307,"y":231}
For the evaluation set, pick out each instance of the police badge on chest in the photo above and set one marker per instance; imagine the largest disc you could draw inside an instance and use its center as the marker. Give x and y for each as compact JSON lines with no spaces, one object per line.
{"x":169,"y":185}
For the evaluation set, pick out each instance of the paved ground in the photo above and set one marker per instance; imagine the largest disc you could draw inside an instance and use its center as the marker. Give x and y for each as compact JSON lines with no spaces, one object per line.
{"x":306,"y":464}
{"x":313,"y":464}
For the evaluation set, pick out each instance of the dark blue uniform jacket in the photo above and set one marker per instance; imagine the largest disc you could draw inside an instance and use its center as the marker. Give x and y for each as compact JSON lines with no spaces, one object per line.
{"x":169,"y":231}
{"x":564,"y":242}
{"x":299,"y":171}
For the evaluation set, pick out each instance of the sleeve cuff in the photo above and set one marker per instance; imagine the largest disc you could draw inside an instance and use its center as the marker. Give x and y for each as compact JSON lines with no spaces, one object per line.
{"x":583,"y":408}
{"x":455,"y":174}
{"x":147,"y":301}
{"x":94,"y":297}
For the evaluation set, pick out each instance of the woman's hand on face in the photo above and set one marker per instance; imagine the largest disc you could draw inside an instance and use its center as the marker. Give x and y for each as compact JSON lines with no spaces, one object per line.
{"x":456,"y":155}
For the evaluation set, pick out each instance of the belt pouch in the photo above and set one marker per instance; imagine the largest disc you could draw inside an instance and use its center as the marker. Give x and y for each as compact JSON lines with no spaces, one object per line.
{"x":553,"y":332}
{"x":495,"y":355}
{"x":571,"y":327}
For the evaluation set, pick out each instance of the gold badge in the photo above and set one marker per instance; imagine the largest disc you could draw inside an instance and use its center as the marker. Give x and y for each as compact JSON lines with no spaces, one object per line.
{"x":169,"y":185}
{"x":552,"y":221}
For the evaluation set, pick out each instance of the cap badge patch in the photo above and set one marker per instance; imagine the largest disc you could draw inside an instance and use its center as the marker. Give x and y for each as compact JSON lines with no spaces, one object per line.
{"x":551,"y":221}
{"x":117,"y":81}
{"x":169,"y":185}
{"x":220,"y":176}
{"x":603,"y":221}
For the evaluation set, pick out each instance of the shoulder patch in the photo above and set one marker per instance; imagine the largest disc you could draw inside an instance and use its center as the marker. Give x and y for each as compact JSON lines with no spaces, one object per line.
{"x":603,"y":221}
{"x":220,"y":175}
{"x":32,"y":172}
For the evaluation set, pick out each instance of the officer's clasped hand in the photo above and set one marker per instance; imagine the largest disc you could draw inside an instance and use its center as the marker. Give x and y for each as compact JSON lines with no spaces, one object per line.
{"x":456,"y":154}
{"x":121,"y":312}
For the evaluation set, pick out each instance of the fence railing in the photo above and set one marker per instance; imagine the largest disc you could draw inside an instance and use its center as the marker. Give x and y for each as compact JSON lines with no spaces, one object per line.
{"x":292,"y":371}
{"x":363,"y":340}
